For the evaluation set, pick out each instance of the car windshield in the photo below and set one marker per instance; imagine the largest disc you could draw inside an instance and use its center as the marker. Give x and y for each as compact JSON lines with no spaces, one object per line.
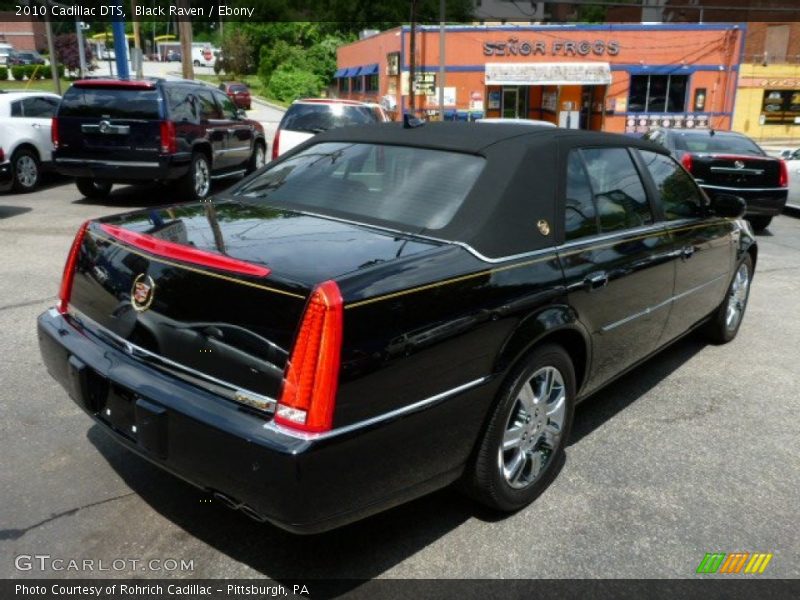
{"x":412,"y":188}
{"x":314,"y":118}
{"x":704,"y":142}
{"x":110,"y":103}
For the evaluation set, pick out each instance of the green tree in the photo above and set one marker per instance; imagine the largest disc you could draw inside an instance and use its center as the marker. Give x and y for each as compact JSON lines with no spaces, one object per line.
{"x":237,"y":54}
{"x":287,"y":84}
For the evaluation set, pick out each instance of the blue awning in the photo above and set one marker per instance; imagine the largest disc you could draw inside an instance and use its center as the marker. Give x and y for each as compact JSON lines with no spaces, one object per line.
{"x":352,"y":71}
{"x":340,"y":73}
{"x":369,"y":69}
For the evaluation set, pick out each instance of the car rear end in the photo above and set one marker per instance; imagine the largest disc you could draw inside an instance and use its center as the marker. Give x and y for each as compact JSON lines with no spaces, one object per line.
{"x":239,"y":93}
{"x":726,"y":163}
{"x":116,"y":131}
{"x":306,"y":118}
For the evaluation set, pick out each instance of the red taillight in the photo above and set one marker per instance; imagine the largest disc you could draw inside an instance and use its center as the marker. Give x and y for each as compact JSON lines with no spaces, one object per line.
{"x":54,"y":132}
{"x":2,"y":155}
{"x":169,"y":141}
{"x":312,"y":377}
{"x":686,"y":161}
{"x":160,"y":247}
{"x":275,"y":141}
{"x":69,"y":270}
{"x":783,"y":178}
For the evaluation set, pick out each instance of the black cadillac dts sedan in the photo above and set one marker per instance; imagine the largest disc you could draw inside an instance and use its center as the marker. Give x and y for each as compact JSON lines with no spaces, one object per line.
{"x":388,"y":310}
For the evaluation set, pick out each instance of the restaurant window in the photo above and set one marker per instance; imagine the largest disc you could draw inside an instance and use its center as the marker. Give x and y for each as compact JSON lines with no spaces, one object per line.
{"x":658,"y":93}
{"x":781,"y":107}
{"x":357,"y":84}
{"x":371,"y":83}
{"x":344,"y":85}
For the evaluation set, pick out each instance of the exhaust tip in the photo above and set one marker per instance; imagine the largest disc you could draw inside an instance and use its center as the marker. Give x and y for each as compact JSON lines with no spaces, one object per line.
{"x":252,"y":513}
{"x":226,"y":500}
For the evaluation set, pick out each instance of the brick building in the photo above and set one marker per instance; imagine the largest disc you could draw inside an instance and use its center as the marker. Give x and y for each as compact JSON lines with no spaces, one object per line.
{"x":614,"y":77}
{"x":23,"y":35}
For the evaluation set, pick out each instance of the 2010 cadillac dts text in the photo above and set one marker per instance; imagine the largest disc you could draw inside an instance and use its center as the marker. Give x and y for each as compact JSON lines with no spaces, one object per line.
{"x":385,"y":311}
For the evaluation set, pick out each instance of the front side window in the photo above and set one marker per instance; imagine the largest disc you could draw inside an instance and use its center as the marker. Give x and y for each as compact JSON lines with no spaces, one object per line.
{"x":619,"y":194}
{"x":680,"y":197}
{"x":580,"y":216}
{"x":658,"y":93}
{"x":227,"y":105}
{"x":208,"y":108}
{"x":414,"y":188}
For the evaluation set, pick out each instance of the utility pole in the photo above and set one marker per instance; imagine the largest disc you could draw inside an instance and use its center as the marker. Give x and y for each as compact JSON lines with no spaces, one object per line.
{"x":412,"y":60}
{"x":81,"y":46}
{"x":441,"y":59}
{"x":185,"y":28}
{"x":137,"y":40}
{"x":52,"y":50}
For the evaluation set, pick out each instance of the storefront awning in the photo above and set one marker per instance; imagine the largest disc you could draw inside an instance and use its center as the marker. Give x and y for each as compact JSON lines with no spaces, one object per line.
{"x":564,"y":73}
{"x":369,"y":69}
{"x":340,"y":73}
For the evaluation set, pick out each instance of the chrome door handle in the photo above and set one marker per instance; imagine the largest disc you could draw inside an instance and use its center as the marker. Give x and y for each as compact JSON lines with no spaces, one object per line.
{"x":687,"y":252}
{"x":595,"y":281}
{"x":36,"y":125}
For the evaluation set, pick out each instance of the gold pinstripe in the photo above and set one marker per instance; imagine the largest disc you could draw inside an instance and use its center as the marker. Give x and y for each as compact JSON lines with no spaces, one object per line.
{"x":200,"y":271}
{"x":522,"y":264}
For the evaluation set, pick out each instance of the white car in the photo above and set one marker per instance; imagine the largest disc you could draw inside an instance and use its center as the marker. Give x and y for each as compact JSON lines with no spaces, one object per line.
{"x":5,"y":49}
{"x":25,"y":144}
{"x":793,"y":168}
{"x":307,"y":117}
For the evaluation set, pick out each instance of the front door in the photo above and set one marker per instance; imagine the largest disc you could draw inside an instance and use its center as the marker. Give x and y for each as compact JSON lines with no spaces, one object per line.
{"x":616,"y":259}
{"x":511,"y":103}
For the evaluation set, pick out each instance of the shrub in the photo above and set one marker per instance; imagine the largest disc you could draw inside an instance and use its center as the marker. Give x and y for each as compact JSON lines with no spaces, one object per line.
{"x":287,"y":84}
{"x":3,"y":73}
{"x":60,"y":69}
{"x":18,"y":72}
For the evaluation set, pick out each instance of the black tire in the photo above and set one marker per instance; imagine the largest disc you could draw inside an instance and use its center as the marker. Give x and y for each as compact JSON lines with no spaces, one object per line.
{"x":26,"y":171}
{"x":759,"y":222}
{"x":720,"y":329}
{"x":91,"y":188}
{"x":253,"y":163}
{"x":486,"y":480}
{"x":196,"y":63}
{"x":188,"y":186}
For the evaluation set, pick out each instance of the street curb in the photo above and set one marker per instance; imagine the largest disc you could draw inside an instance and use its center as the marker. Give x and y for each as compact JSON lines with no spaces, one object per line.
{"x":793,"y":210}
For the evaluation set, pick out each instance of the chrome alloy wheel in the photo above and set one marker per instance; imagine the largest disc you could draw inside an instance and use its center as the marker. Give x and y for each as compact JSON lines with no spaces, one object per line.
{"x":533,"y":430}
{"x":737,"y":297}
{"x":202,"y":178}
{"x":26,"y":170}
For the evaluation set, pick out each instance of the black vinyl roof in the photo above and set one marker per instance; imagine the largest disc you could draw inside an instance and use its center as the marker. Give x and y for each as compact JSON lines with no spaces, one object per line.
{"x":519,"y":186}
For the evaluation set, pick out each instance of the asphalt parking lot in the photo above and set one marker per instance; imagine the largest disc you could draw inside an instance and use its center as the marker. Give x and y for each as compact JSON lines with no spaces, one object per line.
{"x":696,"y":451}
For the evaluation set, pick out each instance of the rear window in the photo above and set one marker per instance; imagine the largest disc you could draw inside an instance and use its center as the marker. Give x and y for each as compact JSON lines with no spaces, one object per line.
{"x":314,"y":118}
{"x":703,"y":142}
{"x":413,"y":188}
{"x":110,"y":103}
{"x":238,"y":88}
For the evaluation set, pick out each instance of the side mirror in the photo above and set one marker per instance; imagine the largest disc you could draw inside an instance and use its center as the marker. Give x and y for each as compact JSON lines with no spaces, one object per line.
{"x":241,"y":113}
{"x":728,"y":205}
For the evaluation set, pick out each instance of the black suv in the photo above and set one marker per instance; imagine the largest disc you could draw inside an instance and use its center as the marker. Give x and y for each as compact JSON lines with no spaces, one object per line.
{"x":109,"y":131}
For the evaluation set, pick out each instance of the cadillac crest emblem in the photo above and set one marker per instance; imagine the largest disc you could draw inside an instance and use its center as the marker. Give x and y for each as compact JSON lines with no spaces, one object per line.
{"x":142,"y":292}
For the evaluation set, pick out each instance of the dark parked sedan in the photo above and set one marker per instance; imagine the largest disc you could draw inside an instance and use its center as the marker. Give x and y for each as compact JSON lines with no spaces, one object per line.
{"x":726,"y":162}
{"x":16,"y":58}
{"x":387,"y":310}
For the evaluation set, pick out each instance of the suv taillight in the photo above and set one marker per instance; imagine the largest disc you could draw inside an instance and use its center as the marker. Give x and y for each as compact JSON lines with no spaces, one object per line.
{"x":69,"y":269}
{"x":783,"y":178}
{"x":169,"y":141}
{"x":686,"y":161}
{"x":54,"y":132}
{"x":275,"y":141}
{"x":2,"y":155}
{"x":312,"y":375}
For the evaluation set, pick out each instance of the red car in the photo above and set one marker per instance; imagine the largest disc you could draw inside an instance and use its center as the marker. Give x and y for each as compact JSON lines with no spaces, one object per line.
{"x":238,"y":92}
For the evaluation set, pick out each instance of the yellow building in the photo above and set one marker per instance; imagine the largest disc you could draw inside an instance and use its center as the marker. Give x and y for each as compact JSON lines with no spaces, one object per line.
{"x":768,"y":102}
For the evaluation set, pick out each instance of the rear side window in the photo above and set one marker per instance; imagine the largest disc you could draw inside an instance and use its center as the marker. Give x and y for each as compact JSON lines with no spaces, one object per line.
{"x":181,"y":104}
{"x":228,"y":107}
{"x":110,"y":103}
{"x":679,"y":195}
{"x":619,"y":194}
{"x":580,"y":218}
{"x":314,"y":118}
{"x":416,"y":188}
{"x":207,"y":106}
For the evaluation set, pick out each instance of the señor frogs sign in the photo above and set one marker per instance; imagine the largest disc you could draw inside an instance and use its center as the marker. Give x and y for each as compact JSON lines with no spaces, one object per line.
{"x":516,"y":47}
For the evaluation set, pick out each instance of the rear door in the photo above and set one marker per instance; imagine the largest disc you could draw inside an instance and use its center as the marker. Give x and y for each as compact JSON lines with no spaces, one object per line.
{"x":115,"y":121}
{"x":616,"y":258}
{"x":37,"y":113}
{"x":216,"y":128}
{"x":239,"y":132}
{"x":701,"y":245}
